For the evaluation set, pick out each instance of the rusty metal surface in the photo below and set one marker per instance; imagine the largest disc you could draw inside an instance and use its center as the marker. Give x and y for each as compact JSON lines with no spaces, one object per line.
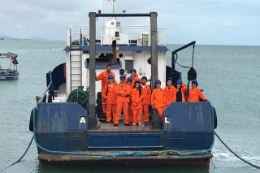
{"x":163,"y":159}
{"x":162,"y":155}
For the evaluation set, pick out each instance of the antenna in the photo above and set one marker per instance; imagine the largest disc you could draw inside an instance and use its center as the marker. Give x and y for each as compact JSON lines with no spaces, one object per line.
{"x":112,"y":6}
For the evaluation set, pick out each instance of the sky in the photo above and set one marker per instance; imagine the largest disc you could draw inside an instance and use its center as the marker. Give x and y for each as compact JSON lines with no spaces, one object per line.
{"x":213,"y":22}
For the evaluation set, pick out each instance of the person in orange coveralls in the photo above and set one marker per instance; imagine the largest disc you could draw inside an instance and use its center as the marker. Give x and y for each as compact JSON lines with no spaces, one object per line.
{"x":170,"y":92}
{"x":146,"y":90}
{"x":158,"y":99}
{"x":134,"y":77}
{"x":104,"y":81}
{"x":110,"y":96}
{"x":130,"y":112}
{"x":137,"y":100}
{"x":123,"y":92}
{"x":181,"y":90}
{"x":195,"y":93}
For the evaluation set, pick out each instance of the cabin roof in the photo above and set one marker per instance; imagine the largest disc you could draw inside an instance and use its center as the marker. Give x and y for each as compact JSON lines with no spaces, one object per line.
{"x":8,"y":55}
{"x":120,"y":48}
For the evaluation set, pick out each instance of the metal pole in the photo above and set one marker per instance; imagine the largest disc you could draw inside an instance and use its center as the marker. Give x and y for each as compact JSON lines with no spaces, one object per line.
{"x":154,"y":64}
{"x":92,"y":120}
{"x":154,"y":46}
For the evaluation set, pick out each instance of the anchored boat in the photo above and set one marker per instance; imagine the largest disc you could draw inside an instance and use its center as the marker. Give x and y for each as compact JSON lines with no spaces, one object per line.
{"x":10,"y":73}
{"x":67,"y":122}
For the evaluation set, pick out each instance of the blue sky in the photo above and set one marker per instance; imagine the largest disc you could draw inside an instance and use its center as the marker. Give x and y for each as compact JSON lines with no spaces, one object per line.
{"x":215,"y":22}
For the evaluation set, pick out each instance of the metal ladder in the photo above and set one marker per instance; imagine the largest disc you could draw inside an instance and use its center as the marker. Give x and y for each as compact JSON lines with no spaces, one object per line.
{"x":75,"y":68}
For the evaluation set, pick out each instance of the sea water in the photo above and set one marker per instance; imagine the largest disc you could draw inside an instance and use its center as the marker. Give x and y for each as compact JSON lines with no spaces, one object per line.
{"x":229,"y":76}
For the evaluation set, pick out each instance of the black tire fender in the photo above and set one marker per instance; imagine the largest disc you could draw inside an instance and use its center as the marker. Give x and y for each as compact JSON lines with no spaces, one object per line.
{"x":99,"y":108}
{"x":215,"y":118}
{"x":99,"y":101}
{"x":31,"y":120}
{"x":99,"y":95}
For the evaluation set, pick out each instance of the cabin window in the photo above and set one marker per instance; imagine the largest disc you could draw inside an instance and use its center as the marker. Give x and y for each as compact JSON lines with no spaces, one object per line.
{"x":129,"y":64}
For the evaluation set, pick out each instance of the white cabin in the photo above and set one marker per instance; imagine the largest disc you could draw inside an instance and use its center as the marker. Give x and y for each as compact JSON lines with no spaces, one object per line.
{"x":133,"y":49}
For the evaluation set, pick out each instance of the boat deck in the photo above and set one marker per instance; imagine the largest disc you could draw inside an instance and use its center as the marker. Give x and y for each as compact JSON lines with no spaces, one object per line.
{"x":121,"y":127}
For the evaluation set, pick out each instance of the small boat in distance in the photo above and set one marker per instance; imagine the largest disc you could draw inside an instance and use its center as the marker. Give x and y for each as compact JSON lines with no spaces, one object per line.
{"x":10,"y":73}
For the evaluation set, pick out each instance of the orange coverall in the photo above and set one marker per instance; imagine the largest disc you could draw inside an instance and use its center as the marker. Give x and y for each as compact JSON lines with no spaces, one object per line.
{"x":110,"y":101}
{"x":157,"y":99}
{"x":170,"y":94}
{"x":104,"y":81}
{"x":136,"y":105}
{"x":195,"y":95}
{"x":183,"y":91}
{"x":146,"y":92}
{"x":122,"y":102}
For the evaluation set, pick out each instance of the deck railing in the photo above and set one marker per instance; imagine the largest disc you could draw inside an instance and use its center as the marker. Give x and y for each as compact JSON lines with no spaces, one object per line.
{"x":134,"y":33}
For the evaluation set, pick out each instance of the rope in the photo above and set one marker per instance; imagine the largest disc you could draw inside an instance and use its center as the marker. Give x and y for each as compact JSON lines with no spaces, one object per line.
{"x":179,"y":63}
{"x":235,"y":153}
{"x":193,"y":55}
{"x":22,"y":155}
{"x":203,"y":151}
{"x":136,"y":153}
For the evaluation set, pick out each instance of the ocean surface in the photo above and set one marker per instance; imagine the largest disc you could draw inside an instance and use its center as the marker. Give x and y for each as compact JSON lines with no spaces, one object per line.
{"x":229,"y":76}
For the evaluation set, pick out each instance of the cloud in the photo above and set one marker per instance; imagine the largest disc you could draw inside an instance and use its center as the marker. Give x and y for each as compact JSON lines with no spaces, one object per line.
{"x":228,"y":24}
{"x":20,"y":26}
{"x":184,"y":20}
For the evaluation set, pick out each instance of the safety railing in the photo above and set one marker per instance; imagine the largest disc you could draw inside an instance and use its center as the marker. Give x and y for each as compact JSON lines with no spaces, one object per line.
{"x":129,"y":35}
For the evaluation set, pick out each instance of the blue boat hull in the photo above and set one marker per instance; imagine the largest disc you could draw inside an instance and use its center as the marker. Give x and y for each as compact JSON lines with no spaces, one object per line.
{"x":64,"y":127}
{"x":9,"y":76}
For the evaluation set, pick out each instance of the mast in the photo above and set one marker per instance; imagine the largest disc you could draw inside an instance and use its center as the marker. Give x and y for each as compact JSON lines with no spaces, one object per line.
{"x":112,"y":7}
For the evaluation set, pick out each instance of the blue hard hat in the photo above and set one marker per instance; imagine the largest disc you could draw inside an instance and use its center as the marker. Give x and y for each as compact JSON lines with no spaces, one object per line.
{"x":196,"y":82}
{"x":129,"y":79}
{"x":157,"y":81}
{"x":133,"y":70}
{"x":110,"y":77}
{"x":144,"y":77}
{"x":137,"y":81}
{"x":169,"y":79}
{"x":179,"y":81}
{"x":122,"y":76}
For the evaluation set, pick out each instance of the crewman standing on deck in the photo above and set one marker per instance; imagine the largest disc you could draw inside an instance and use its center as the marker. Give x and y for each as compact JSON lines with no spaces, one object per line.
{"x":146,"y":90}
{"x":134,"y":77}
{"x":180,"y":91}
{"x":195,"y":93}
{"x":110,"y":97}
{"x":130,"y":112}
{"x":123,"y":91}
{"x":104,"y":81}
{"x":170,"y":92}
{"x":137,"y":101}
{"x":158,"y":99}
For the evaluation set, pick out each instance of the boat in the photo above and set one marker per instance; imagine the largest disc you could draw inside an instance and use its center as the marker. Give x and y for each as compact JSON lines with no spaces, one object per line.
{"x":10,"y":73}
{"x":67,"y":123}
